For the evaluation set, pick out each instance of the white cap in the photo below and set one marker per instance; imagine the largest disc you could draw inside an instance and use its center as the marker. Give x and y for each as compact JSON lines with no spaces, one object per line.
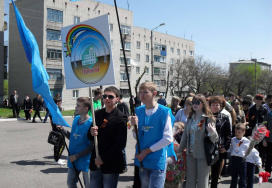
{"x":161,"y":94}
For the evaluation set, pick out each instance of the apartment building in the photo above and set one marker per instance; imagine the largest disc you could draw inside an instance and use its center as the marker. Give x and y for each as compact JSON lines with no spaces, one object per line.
{"x":45,"y":18}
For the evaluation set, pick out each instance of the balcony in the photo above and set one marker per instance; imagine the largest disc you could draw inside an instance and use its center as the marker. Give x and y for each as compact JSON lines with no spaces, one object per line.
{"x":53,"y":43}
{"x":54,"y":25}
{"x":54,"y":63}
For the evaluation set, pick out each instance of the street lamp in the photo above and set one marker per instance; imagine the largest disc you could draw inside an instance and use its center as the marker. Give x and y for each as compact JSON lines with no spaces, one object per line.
{"x":152,"y":56}
{"x":255,"y":60}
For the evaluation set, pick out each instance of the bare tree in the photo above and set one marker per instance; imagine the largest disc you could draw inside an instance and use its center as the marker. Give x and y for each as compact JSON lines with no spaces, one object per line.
{"x":264,"y":82}
{"x":180,"y":75}
{"x":139,"y":79}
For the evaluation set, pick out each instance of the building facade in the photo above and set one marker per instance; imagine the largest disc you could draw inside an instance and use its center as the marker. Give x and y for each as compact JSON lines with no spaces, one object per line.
{"x":45,"y":18}
{"x":264,"y":66}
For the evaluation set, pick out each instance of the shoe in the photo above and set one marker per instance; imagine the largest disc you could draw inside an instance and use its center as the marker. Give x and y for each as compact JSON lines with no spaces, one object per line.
{"x":60,"y":162}
{"x":34,"y":121}
{"x":41,"y":120}
{"x":18,"y":116}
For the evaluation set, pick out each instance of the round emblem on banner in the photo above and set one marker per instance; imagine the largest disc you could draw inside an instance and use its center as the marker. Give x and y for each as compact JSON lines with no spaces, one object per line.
{"x":90,"y":56}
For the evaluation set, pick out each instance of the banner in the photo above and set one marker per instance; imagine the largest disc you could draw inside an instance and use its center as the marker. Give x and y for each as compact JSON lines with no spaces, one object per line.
{"x":87,"y":54}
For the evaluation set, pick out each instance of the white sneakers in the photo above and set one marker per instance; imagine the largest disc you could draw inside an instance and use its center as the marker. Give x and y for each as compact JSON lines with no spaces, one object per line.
{"x":60,"y":162}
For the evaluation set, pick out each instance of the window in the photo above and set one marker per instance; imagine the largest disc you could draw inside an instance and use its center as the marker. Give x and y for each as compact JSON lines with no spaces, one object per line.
{"x":147,"y":46}
{"x":172,"y":50}
{"x":157,"y":82}
{"x":163,"y":59}
{"x":127,"y":45}
{"x":163,"y":71}
{"x":191,"y":53}
{"x":75,"y":93}
{"x":138,"y":57}
{"x":157,"y":58}
{"x":147,"y":71}
{"x":54,"y":54}
{"x":137,"y":70}
{"x":123,"y":62}
{"x":138,"y":44}
{"x":156,"y":70}
{"x":125,"y":92}
{"x":76,"y":19}
{"x":171,"y":61}
{"x":54,"y":91}
{"x":54,"y":74}
{"x":111,"y":27}
{"x":163,"y":83}
{"x":125,"y":29}
{"x":54,"y":15}
{"x":147,"y":58}
{"x":123,"y":76}
{"x":184,"y":52}
{"x":178,"y":51}
{"x":53,"y":35}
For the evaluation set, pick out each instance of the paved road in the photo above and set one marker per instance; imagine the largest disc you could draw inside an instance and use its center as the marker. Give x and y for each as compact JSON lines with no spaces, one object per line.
{"x":26,"y":159}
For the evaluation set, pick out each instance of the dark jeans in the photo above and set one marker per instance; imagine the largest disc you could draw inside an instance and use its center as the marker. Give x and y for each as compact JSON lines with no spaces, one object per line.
{"x":37,"y":113}
{"x":250,"y":174}
{"x":137,"y":180}
{"x":268,"y":162}
{"x":16,"y":109}
{"x":238,"y":168}
{"x":46,"y":115}
{"x":27,"y":115}
{"x":216,"y":171}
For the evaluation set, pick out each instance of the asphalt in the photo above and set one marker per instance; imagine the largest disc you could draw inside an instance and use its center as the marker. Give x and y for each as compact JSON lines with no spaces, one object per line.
{"x":26,"y":159}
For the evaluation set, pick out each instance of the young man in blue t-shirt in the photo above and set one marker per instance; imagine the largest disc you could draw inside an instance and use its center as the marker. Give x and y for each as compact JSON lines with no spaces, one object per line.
{"x":155,"y":123}
{"x":80,"y":146}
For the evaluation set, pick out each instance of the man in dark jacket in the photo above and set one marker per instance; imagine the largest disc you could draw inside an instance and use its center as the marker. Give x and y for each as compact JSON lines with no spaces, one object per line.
{"x":111,"y":132}
{"x":37,"y":103}
{"x":15,"y":104}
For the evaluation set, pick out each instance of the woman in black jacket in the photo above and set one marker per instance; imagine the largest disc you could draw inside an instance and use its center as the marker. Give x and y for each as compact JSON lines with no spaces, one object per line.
{"x":224,"y":132}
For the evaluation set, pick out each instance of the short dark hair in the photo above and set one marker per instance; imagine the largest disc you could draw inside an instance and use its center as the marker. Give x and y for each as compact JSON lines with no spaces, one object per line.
{"x":113,"y":89}
{"x":240,"y":126}
{"x":120,"y":96}
{"x":86,"y":102}
{"x":56,"y":100}
{"x":217,"y":99}
{"x":246,"y":102}
{"x":269,"y":96}
{"x":97,"y":91}
{"x":231,"y":94}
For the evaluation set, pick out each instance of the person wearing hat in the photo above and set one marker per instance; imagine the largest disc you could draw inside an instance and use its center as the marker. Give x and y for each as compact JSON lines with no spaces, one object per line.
{"x":162,"y":100}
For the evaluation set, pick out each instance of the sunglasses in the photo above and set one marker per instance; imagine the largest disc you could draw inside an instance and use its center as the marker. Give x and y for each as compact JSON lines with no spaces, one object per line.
{"x":108,"y":96}
{"x":196,"y":102}
{"x":258,"y":98}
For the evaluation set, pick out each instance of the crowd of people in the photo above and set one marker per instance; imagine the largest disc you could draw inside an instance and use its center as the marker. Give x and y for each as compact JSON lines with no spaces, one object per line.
{"x":228,"y":121}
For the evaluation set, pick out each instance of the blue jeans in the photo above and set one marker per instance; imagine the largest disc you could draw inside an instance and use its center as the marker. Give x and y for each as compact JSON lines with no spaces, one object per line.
{"x":46,"y":115}
{"x":152,"y":178}
{"x":72,"y":178}
{"x":100,"y":180}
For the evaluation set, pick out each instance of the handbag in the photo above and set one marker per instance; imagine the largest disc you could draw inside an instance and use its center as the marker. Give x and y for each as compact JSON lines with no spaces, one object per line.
{"x":54,"y":138}
{"x":211,"y":148}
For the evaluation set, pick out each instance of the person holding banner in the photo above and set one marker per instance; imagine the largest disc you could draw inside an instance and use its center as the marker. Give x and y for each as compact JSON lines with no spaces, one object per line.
{"x":155,"y":123}
{"x":80,"y":147}
{"x":111,"y":132}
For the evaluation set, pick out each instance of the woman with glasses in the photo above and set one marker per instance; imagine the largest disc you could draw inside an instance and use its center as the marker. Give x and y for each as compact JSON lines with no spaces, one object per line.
{"x":175,"y":107}
{"x":199,"y":120}
{"x":223,"y":129}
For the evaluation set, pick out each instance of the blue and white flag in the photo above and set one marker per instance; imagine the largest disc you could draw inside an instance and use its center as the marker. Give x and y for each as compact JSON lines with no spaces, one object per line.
{"x":39,"y":74}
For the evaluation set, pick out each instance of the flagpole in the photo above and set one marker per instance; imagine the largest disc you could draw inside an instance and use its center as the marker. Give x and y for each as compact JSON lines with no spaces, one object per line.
{"x":70,"y":161}
{"x":94,"y":123}
{"x":130,"y":92}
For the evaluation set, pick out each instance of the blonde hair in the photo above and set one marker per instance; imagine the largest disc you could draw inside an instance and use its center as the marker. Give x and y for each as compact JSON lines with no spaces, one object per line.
{"x":174,"y":98}
{"x":189,"y":100}
{"x":180,"y":125}
{"x":148,"y":85}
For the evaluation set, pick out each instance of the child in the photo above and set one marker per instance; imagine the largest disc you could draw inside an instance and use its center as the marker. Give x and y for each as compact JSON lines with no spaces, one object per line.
{"x":239,"y":146}
{"x":155,"y":135}
{"x":80,"y":147}
{"x":252,"y":159}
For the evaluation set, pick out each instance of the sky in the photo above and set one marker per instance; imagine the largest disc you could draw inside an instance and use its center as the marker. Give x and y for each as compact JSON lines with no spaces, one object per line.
{"x":224,"y":31}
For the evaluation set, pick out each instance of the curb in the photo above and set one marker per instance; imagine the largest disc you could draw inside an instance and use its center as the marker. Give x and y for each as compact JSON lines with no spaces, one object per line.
{"x":21,"y":119}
